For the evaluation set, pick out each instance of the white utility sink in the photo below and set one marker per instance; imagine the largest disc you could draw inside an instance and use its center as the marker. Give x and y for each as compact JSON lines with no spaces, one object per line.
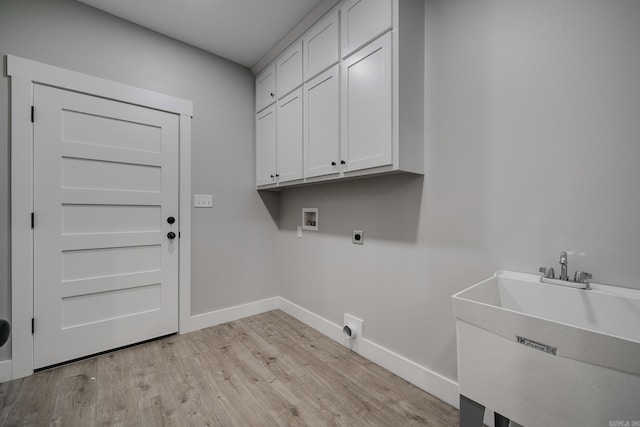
{"x":548,"y":355}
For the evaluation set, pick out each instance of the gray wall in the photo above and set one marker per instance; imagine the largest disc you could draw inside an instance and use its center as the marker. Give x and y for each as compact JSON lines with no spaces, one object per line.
{"x":233,"y":258}
{"x":532,"y":147}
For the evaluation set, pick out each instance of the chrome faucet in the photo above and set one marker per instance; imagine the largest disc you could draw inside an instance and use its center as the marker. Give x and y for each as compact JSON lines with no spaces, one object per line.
{"x":580,"y":281}
{"x":564,"y":275}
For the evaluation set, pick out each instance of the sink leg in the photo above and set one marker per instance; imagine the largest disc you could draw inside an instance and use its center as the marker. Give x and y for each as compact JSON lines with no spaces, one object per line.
{"x":500,"y":420}
{"x":471,"y":413}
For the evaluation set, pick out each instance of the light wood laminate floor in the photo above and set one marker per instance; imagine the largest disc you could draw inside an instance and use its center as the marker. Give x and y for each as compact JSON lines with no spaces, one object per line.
{"x":265,"y":370}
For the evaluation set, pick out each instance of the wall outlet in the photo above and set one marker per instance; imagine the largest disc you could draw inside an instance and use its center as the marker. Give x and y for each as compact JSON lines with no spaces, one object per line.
{"x":357,"y":237}
{"x":300,"y":231}
{"x":352,"y":332}
{"x":202,"y":200}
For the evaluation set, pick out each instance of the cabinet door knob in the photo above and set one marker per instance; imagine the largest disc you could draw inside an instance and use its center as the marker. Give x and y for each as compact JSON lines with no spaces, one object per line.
{"x":171,"y":220}
{"x":333,"y":163}
{"x":342,"y":162}
{"x":171,"y":235}
{"x":277,"y":176}
{"x":272,"y":94}
{"x":272,"y":176}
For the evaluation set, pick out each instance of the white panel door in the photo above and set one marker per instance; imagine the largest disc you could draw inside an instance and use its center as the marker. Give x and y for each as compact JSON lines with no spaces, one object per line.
{"x":321,"y":124}
{"x":105,"y":184}
{"x":367,"y":138}
{"x":363,"y":21}
{"x":289,"y":141}
{"x":266,"y":146}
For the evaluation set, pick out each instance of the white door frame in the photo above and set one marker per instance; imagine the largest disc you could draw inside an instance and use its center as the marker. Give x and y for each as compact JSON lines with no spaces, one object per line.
{"x":24,"y":74}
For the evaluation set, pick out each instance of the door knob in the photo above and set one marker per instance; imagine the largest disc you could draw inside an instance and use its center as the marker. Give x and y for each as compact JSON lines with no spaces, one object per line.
{"x":171,"y":235}
{"x":333,"y":163}
{"x":342,"y":162}
{"x":171,"y":220}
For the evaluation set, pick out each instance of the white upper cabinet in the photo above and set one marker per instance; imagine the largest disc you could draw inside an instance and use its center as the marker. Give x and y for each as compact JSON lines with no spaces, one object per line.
{"x":289,"y":137}
{"x":362,"y":101}
{"x":289,"y":69}
{"x":321,"y":45}
{"x":266,"y":88}
{"x":367,"y":138}
{"x":363,"y":21}
{"x":321,"y":120}
{"x":266,"y":146}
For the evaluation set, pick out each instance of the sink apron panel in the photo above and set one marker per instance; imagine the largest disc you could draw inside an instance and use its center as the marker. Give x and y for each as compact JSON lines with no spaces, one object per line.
{"x":572,"y":342}
{"x":534,"y":388}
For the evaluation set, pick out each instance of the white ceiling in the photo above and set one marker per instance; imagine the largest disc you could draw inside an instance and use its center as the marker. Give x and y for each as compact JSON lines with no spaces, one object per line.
{"x":242,"y":31}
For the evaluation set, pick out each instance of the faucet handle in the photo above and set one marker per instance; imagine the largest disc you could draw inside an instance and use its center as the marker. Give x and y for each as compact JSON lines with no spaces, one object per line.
{"x":582,"y":277}
{"x":548,"y":272}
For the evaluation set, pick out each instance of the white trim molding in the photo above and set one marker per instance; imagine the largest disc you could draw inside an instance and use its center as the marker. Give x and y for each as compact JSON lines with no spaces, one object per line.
{"x":217,"y":317}
{"x":433,"y":383}
{"x":184,"y":219}
{"x":37,"y":72}
{"x":318,"y":323}
{"x":24,"y":74}
{"x":21,"y":232}
{"x":5,"y":370}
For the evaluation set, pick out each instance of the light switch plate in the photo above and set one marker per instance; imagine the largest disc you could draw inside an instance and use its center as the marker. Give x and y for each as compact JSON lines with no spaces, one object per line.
{"x":202,"y":200}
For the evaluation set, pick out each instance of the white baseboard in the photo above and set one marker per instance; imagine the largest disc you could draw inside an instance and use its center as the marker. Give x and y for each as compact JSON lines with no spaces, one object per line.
{"x":213,"y":318}
{"x":429,"y":381}
{"x":5,"y":371}
{"x":318,"y":323}
{"x":441,"y":387}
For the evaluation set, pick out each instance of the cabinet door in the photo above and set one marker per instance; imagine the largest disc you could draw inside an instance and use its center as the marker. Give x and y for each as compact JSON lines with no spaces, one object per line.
{"x":266,"y":88}
{"x":321,"y":119}
{"x":266,"y":146}
{"x":367,"y":139}
{"x":321,"y":46}
{"x":363,"y":21}
{"x":289,"y":69}
{"x":289,"y":140}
